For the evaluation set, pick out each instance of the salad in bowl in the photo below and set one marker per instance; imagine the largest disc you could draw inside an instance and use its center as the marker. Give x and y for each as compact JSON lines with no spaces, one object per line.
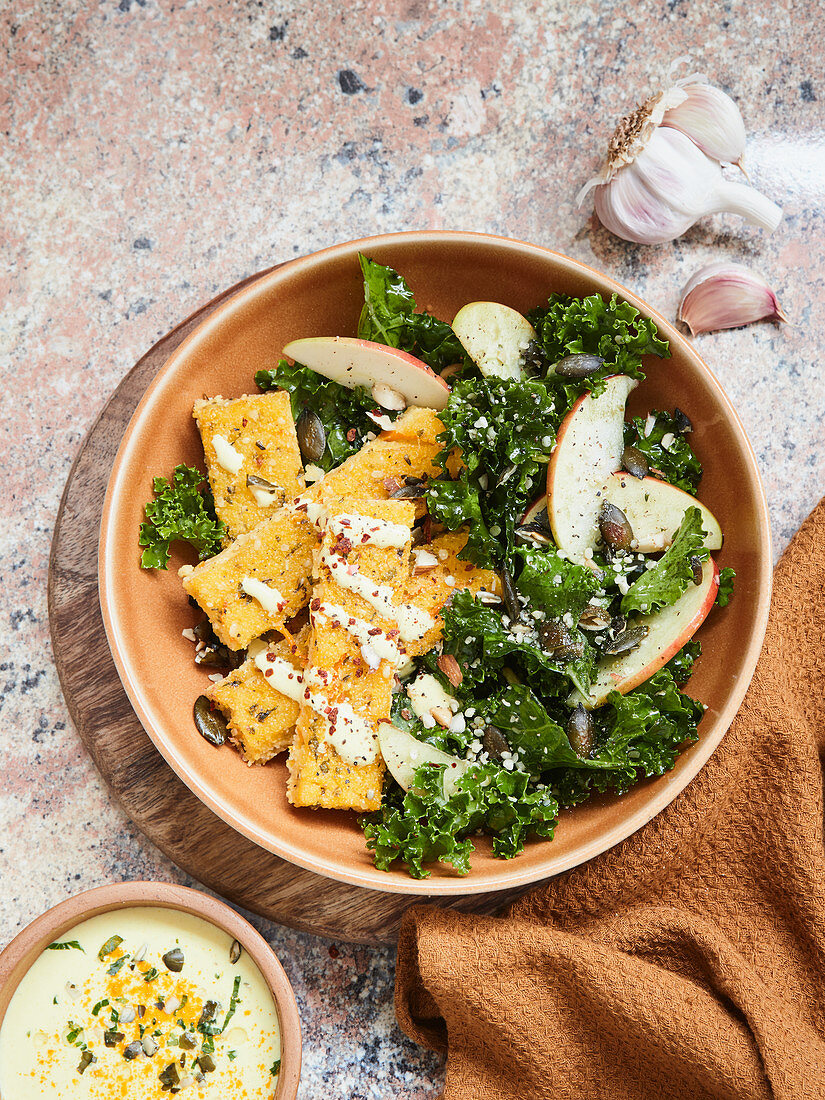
{"x":444,"y":573}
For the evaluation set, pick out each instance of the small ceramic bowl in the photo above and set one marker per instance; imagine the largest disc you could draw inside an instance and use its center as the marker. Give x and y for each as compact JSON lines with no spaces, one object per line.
{"x":321,"y":295}
{"x":29,"y":944}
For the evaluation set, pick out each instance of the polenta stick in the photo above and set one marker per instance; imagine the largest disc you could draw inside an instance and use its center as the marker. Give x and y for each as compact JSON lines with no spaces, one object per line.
{"x":262,"y":719}
{"x":437,"y":572}
{"x":358,"y":626}
{"x":252,"y":457}
{"x":262,"y":579}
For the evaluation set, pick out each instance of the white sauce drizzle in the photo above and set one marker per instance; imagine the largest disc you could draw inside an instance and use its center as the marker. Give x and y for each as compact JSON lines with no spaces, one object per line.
{"x":354,"y":738}
{"x":227,"y":456}
{"x":268,"y":597}
{"x":365,"y":633}
{"x":364,"y":529}
{"x":265,"y":497}
{"x":281,"y":675}
{"x":413,"y":622}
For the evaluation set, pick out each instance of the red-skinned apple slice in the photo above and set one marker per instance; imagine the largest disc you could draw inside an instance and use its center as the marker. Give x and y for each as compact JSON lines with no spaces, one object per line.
{"x":403,"y":754}
{"x":588,"y":449}
{"x":668,"y":630}
{"x":655,"y":510}
{"x":354,"y":362}
{"x":494,"y":336}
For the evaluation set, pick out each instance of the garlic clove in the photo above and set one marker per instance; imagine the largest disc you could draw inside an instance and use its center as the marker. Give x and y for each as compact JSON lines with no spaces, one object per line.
{"x":712,"y":120}
{"x":668,"y":187}
{"x":725,"y":295}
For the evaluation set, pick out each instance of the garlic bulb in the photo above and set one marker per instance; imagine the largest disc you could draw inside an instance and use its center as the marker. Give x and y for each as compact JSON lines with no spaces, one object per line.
{"x":662,"y":171}
{"x":670,"y":185}
{"x":726,"y":295}
{"x":711,"y":119}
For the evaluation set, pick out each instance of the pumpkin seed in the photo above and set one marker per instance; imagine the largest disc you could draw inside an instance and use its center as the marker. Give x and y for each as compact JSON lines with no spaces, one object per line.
{"x":312,"y":437}
{"x":86,"y":1059}
{"x":133,"y":1050}
{"x":580,"y":731}
{"x":511,"y":600}
{"x":210,"y":723}
{"x":696,"y":569}
{"x":578,"y":366}
{"x":559,"y":640}
{"x":626,"y":641}
{"x":495,"y":743}
{"x":533,"y":533}
{"x":235,"y":952}
{"x":594,"y":618}
{"x":614,"y":527}
{"x":635,"y":462}
{"x":173,"y":960}
{"x":681,"y":421}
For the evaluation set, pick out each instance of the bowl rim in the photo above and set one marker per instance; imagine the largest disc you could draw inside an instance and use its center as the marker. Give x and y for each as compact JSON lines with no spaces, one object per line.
{"x":21,"y":952}
{"x":368,"y":877}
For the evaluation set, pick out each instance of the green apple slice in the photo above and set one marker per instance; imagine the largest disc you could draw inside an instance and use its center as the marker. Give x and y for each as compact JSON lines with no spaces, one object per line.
{"x":404,"y":754}
{"x":668,"y":630}
{"x":588,"y":449}
{"x":495,"y":337}
{"x":655,"y":509}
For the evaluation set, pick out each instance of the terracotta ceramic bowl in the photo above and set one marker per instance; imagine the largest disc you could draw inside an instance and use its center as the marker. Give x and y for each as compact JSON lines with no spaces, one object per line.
{"x":321,"y":294}
{"x":29,"y":944}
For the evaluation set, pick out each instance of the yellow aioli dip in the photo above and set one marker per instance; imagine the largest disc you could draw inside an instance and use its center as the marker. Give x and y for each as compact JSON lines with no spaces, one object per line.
{"x":74,"y":1006}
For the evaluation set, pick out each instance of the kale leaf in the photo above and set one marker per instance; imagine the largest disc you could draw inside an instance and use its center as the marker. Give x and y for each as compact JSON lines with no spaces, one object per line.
{"x":638,"y":734}
{"x":725,"y":593}
{"x":553,"y":584}
{"x":423,"y":826}
{"x":482,"y":644}
{"x":181,"y":511}
{"x":673,"y":572}
{"x":504,"y":430}
{"x":676,"y":463}
{"x":611,"y":328}
{"x":388,"y":317}
{"x":342,"y":411}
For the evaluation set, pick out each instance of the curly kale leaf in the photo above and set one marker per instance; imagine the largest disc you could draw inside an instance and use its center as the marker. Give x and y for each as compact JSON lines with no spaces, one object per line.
{"x":342,"y":411}
{"x":676,"y":463}
{"x":638,"y":734}
{"x":423,"y":826}
{"x":455,"y":503}
{"x":180,"y":511}
{"x":388,"y":317}
{"x":662,"y":585}
{"x":611,"y":328}
{"x":482,"y":644}
{"x":725,"y":593}
{"x":681,"y":664}
{"x":504,"y":430}
{"x":553,"y":584}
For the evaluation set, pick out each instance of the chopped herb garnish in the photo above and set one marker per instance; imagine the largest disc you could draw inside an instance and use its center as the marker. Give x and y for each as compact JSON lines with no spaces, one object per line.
{"x":111,"y":945}
{"x":99,"y":1005}
{"x":232,"y":1055}
{"x":233,"y":1002}
{"x":275,"y":1068}
{"x":65,"y":945}
{"x":118,"y":964}
{"x":150,"y":974}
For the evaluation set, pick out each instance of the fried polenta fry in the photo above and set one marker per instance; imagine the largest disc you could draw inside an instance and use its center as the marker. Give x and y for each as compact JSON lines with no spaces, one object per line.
{"x":344,"y":674}
{"x":261,"y":719}
{"x":279,"y":551}
{"x":249,"y":444}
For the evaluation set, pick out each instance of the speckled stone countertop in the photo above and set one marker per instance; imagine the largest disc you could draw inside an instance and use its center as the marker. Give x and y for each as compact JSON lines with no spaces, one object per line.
{"x":153,"y":154}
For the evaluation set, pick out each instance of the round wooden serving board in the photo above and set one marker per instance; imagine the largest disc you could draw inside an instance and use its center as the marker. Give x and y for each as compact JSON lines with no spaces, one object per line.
{"x":141,"y":781}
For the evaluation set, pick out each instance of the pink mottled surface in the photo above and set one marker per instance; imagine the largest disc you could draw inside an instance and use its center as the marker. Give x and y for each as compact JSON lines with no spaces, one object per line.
{"x":153,"y":154}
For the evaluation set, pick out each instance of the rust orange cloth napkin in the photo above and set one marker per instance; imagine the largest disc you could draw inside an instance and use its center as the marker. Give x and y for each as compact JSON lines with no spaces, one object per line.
{"x":689,"y":961}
